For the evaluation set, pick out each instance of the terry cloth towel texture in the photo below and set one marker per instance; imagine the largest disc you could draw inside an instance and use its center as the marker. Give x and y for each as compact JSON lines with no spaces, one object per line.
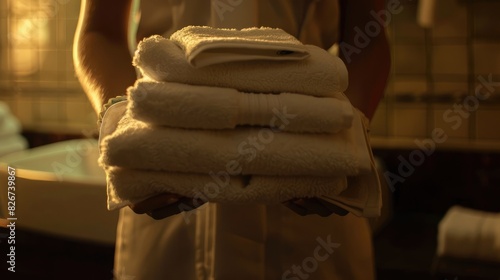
{"x":255,"y":161}
{"x":9,"y":126}
{"x":321,"y":74}
{"x":12,"y":143}
{"x":202,"y":107}
{"x":10,"y":129}
{"x":259,"y":151}
{"x":136,"y":185}
{"x":361,"y":195}
{"x":469,"y":234}
{"x":4,"y":112}
{"x":204,"y":45}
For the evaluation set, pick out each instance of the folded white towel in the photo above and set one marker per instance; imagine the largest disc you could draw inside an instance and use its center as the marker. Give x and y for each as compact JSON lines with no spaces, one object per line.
{"x":12,"y":143}
{"x":4,"y":112}
{"x":204,"y":45}
{"x":138,"y":145}
{"x":321,"y":74}
{"x":137,"y":185}
{"x":201,"y":107}
{"x":361,"y":197}
{"x":470,"y":234}
{"x":9,"y":126}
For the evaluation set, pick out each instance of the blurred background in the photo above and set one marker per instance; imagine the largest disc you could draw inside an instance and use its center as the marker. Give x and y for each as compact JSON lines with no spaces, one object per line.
{"x":436,"y":65}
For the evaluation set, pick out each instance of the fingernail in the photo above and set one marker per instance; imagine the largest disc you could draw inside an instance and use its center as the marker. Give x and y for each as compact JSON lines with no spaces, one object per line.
{"x":172,"y":200}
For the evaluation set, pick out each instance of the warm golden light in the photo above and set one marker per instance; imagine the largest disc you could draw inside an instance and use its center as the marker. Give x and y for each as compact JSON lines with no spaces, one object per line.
{"x":29,"y":33}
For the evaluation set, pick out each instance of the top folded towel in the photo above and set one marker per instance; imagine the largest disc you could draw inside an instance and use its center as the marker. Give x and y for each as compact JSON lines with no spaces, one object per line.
{"x":205,"y":45}
{"x":321,"y":74}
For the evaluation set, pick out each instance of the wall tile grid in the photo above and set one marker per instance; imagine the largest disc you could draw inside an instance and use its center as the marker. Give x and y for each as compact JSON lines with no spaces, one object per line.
{"x":37,"y":76}
{"x":434,"y":70}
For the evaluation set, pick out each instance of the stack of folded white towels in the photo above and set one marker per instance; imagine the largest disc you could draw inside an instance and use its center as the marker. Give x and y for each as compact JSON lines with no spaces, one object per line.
{"x":470,"y":234}
{"x":240,"y":116}
{"x":10,"y":129}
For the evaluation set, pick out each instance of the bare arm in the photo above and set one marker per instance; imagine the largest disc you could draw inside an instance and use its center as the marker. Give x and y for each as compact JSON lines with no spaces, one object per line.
{"x":102,"y":60}
{"x":104,"y":67}
{"x":369,"y":67}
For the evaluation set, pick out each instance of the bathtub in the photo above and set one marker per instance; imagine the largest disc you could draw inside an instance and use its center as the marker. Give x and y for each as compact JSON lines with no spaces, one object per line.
{"x":60,"y":190}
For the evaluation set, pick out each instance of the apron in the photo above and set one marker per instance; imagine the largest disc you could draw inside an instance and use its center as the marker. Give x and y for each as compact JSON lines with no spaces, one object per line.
{"x":254,"y":242}
{"x":222,"y":241}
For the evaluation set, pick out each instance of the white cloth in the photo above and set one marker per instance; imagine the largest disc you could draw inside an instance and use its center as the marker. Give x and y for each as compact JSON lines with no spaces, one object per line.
{"x":204,"y":45}
{"x":469,"y":234}
{"x":362,"y":197}
{"x":4,"y":112}
{"x":138,"y":145}
{"x":251,"y":242}
{"x":11,"y":144}
{"x":137,"y":185}
{"x":321,"y":74}
{"x":9,"y":126}
{"x":202,"y":107}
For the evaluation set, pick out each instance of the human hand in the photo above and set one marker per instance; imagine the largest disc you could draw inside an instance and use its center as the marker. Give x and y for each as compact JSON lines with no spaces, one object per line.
{"x":309,"y":206}
{"x":164,"y":205}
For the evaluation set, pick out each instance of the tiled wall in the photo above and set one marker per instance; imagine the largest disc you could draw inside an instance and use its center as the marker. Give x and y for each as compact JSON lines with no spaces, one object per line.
{"x":37,"y":78}
{"x":435,"y":69}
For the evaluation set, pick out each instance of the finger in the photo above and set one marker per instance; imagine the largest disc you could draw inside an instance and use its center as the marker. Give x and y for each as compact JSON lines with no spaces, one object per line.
{"x":336,"y":209}
{"x":316,"y":207}
{"x":155,"y":202}
{"x":183,"y":204}
{"x":165,"y":211}
{"x":193,"y":202}
{"x":296,"y":208}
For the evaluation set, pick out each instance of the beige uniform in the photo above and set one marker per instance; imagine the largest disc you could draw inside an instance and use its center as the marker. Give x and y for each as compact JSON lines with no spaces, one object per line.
{"x":234,"y":241}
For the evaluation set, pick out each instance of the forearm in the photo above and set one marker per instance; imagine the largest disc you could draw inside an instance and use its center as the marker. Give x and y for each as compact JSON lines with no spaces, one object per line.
{"x":368,"y":73}
{"x":102,"y":60}
{"x":368,"y":64}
